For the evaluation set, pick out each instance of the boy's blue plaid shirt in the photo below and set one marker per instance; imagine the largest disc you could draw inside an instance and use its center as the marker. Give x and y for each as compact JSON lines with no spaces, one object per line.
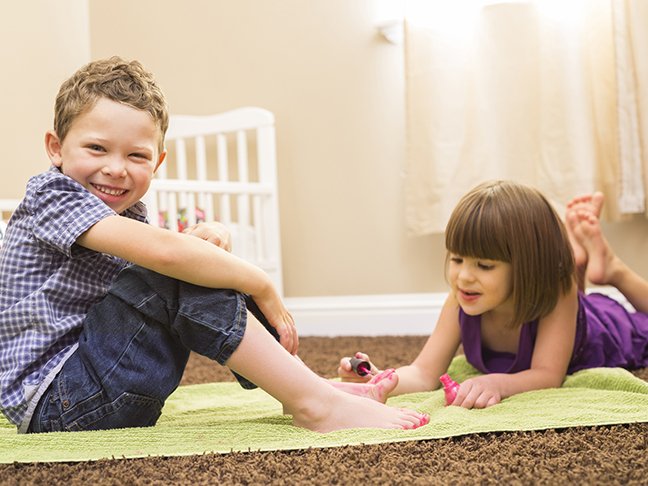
{"x":47,"y":285}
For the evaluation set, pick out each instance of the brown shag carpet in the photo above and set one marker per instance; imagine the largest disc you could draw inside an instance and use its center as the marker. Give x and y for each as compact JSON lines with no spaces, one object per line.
{"x":612,"y":455}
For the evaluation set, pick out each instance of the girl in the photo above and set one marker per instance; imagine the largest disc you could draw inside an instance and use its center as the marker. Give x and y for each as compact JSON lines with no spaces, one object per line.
{"x":514,"y":302}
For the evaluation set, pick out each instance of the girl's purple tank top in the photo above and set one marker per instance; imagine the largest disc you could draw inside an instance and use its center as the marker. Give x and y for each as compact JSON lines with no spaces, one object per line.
{"x":606,"y":335}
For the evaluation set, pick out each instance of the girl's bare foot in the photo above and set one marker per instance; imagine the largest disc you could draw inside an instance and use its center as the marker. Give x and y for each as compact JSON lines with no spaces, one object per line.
{"x":589,"y":203}
{"x":602,"y":264}
{"x":377,"y":389}
{"x":592,"y":203}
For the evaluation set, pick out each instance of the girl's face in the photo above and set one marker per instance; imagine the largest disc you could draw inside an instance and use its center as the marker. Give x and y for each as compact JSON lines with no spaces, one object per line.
{"x":111,"y":150}
{"x":481,"y":285}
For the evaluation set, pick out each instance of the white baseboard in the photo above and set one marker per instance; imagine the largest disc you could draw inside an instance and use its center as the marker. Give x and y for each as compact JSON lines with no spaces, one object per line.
{"x":378,"y":315}
{"x":366,"y":315}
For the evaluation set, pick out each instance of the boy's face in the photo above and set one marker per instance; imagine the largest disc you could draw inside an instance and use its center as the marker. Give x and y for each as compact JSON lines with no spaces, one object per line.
{"x":111,"y":150}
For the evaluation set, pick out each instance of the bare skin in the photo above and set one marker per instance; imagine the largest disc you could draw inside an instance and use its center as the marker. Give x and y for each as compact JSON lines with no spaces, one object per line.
{"x":556,"y":331}
{"x":113,"y":149}
{"x":312,"y":401}
{"x":378,"y":388}
{"x":603,"y":266}
{"x":591,"y":204}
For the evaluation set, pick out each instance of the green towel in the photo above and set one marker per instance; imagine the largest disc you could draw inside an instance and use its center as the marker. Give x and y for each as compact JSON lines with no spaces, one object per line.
{"x":222,"y":417}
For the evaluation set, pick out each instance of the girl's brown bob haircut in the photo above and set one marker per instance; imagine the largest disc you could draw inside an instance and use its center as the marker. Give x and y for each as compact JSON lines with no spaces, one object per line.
{"x":513,"y":223}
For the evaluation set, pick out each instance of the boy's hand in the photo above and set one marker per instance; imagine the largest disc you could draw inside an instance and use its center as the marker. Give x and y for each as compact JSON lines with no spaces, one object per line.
{"x":214,"y":232}
{"x":274,"y":310}
{"x":346,"y":373}
{"x":288,"y":336}
{"x":479,"y":392}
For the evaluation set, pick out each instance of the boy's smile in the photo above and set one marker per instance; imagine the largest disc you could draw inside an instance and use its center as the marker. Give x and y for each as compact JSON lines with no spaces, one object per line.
{"x":111,"y":150}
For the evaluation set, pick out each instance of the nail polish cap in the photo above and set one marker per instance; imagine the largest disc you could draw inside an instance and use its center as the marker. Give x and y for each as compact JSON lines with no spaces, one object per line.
{"x":360,"y":366}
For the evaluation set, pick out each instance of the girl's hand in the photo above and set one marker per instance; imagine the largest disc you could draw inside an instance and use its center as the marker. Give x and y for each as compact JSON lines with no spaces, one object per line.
{"x":345,"y":371}
{"x":480,"y":392}
{"x":214,"y":232}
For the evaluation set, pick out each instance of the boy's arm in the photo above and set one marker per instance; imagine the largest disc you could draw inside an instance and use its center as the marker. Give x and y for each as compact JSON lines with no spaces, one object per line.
{"x":176,"y":255}
{"x":192,"y":260}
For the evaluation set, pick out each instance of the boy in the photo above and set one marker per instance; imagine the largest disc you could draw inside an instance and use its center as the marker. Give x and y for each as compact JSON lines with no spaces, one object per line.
{"x":99,"y":311}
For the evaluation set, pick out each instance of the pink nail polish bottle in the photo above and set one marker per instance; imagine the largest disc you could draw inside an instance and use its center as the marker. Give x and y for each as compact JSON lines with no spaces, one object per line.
{"x":450,"y":387}
{"x":361,"y":367}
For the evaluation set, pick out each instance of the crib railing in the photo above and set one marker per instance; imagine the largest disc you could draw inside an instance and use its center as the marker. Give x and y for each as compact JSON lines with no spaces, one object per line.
{"x":223,"y":168}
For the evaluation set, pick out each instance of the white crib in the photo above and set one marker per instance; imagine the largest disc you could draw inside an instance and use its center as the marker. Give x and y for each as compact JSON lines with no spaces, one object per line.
{"x":223,"y":168}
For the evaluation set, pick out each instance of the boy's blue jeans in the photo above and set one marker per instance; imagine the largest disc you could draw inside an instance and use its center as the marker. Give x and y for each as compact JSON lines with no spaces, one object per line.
{"x":134,"y":347}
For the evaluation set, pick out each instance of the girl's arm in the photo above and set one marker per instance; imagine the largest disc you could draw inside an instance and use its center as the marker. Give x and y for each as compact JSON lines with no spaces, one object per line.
{"x":433,"y":360}
{"x":551,"y":355}
{"x":192,"y":260}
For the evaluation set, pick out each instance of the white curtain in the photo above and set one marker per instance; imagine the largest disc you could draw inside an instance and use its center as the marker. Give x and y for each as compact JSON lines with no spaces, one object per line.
{"x":550,"y":93}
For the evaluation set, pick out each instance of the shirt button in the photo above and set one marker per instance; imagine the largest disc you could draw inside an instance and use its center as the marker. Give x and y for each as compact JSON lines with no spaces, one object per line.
{"x":66,"y":404}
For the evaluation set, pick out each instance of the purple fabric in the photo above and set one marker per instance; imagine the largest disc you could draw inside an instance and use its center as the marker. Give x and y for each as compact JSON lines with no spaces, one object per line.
{"x":606,"y":335}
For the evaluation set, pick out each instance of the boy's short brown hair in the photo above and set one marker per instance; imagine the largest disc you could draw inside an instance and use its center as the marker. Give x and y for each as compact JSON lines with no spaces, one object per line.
{"x":513,"y":223}
{"x":116,"y":79}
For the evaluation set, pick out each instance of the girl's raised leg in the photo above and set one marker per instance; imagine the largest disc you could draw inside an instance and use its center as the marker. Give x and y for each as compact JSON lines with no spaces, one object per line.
{"x":604,"y":267}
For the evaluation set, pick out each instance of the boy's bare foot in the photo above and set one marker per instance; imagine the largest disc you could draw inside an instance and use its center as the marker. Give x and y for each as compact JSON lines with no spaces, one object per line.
{"x":377,"y":389}
{"x":313,"y":403}
{"x":348,"y":411}
{"x":359,"y":405}
{"x":602,"y":264}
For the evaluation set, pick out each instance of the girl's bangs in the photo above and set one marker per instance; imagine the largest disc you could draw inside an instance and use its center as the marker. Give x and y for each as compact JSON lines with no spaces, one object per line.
{"x":478,"y":232}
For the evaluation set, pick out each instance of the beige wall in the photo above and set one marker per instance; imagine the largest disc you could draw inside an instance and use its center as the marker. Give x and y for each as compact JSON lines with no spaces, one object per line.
{"x":334,"y":84}
{"x":41,"y":43}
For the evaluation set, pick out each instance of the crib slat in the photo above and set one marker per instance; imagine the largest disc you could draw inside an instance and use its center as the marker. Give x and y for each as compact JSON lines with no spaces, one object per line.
{"x":258,"y":228}
{"x":152,"y":208}
{"x":201,"y":159}
{"x":223,"y":169}
{"x":181,"y":170}
{"x":266,"y":156}
{"x":243,"y":206}
{"x":190,"y":210}
{"x":181,"y":158}
{"x":205,"y":202}
{"x":242,"y":156}
{"x":172,"y":211}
